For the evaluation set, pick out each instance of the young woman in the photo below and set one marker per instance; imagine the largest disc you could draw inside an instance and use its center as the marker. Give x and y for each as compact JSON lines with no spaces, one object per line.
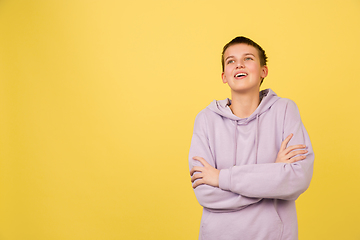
{"x":250,"y":157}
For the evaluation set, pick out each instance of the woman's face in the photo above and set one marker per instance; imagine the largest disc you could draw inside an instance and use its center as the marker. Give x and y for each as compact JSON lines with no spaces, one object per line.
{"x":242,"y":68}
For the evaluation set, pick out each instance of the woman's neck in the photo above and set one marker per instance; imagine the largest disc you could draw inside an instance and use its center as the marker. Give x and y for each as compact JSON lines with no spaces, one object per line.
{"x":243,"y":105}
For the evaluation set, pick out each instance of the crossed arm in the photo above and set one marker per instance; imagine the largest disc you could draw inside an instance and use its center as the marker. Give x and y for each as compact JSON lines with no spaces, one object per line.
{"x":240,"y":186}
{"x":210,"y":175}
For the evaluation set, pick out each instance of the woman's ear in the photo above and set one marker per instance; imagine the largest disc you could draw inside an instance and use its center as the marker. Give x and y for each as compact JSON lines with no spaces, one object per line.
{"x":223,"y":77}
{"x":264,"y":71}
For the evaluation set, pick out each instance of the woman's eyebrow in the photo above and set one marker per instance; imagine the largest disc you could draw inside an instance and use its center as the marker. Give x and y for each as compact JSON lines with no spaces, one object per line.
{"x":229,"y":57}
{"x":243,"y":55}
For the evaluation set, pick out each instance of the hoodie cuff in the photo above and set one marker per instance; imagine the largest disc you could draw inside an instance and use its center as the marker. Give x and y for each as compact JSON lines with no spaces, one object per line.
{"x":224,"y":179}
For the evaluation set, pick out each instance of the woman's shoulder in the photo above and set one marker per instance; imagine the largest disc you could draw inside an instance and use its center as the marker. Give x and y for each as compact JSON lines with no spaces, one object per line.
{"x":206,"y":114}
{"x":287,"y":107}
{"x":284,"y":103}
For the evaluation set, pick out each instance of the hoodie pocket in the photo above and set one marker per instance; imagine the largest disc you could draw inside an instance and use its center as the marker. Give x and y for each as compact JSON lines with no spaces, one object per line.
{"x":256,"y":222}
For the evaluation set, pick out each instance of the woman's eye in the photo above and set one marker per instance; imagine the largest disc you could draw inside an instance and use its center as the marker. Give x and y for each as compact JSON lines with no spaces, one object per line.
{"x":230,"y":61}
{"x":248,"y":58}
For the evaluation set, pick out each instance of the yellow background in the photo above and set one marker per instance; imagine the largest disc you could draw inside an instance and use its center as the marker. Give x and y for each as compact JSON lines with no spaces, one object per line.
{"x":98,"y":100}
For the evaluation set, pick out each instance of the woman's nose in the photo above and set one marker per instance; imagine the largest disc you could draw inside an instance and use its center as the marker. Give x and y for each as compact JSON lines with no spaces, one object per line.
{"x":240,"y":64}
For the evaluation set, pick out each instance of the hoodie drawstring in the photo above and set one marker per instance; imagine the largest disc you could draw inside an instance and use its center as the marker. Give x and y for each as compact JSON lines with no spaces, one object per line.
{"x":235,"y":142}
{"x":256,"y":137}
{"x":267,"y":99}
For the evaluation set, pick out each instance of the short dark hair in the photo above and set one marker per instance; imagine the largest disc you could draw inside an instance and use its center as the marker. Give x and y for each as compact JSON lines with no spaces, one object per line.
{"x":245,"y":40}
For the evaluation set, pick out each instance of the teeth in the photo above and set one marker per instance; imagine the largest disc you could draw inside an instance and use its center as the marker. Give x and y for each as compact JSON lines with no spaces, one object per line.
{"x":240,"y":74}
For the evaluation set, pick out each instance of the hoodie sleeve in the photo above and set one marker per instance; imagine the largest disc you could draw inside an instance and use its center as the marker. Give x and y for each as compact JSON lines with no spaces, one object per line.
{"x":274,"y":180}
{"x":212,"y":198}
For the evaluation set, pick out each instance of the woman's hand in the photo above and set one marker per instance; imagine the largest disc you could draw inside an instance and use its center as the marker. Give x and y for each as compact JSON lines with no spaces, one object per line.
{"x":204,"y":175}
{"x":287,"y":154}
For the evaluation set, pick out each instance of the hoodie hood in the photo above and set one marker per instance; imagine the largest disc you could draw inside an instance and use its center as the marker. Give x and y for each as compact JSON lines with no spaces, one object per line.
{"x":267,"y":96}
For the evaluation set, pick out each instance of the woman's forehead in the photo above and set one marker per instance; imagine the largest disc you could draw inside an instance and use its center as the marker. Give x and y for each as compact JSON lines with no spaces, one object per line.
{"x":240,"y":48}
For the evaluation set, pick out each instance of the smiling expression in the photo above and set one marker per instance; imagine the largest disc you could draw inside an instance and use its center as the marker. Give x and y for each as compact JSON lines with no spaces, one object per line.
{"x":243,"y":70}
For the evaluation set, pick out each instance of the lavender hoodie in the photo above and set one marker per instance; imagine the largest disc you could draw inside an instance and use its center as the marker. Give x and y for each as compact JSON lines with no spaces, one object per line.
{"x":256,"y":196}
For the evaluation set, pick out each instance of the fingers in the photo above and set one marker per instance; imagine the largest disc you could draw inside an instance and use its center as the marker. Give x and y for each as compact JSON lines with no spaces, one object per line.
{"x":197,"y":179}
{"x":293,"y":147}
{"x":196,"y":172}
{"x":198,"y":182}
{"x":196,"y":176}
{"x":202,"y":160}
{"x":206,"y":174}
{"x":295,"y":159}
{"x":286,"y":141}
{"x":195,"y":169}
{"x":294,"y":153}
